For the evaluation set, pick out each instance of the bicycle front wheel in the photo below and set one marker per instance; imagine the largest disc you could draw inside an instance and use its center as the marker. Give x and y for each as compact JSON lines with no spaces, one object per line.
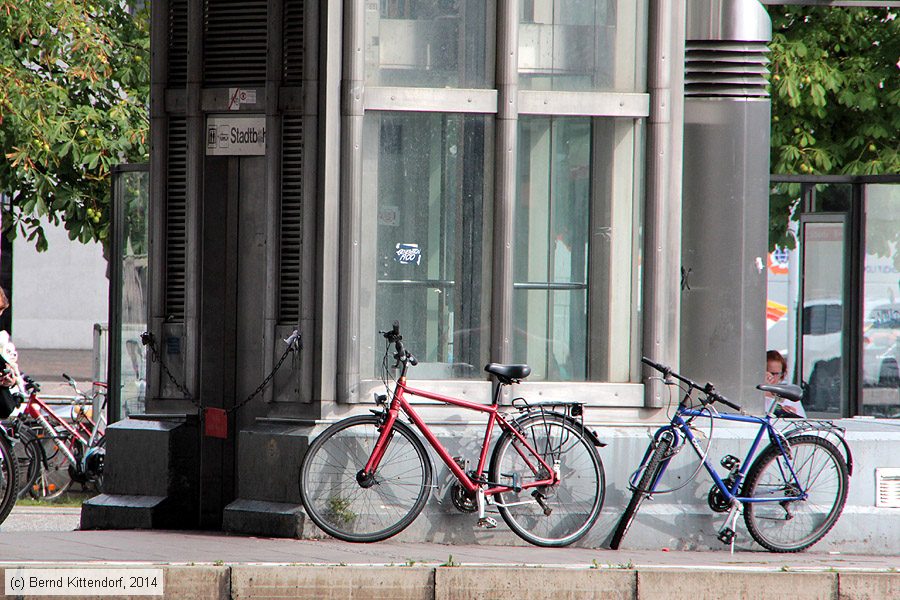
{"x":9,"y":478}
{"x":794,"y":525}
{"x":374,"y":509}
{"x":27,"y":449}
{"x":553,"y":515}
{"x":648,"y":480}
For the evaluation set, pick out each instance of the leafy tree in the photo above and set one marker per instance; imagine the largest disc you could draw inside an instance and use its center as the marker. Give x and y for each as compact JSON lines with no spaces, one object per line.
{"x":835,"y":85}
{"x":73,"y":103}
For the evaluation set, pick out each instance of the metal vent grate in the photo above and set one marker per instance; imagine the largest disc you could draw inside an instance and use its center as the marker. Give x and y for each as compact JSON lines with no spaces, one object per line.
{"x":177,"y":57}
{"x":731,"y":69}
{"x":234,"y":42}
{"x":293,"y":42}
{"x":887,"y":488}
{"x":176,"y":219}
{"x":290,"y":268}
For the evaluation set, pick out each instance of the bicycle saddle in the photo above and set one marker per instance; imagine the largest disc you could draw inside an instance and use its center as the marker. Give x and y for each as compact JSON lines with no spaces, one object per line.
{"x":508,"y":373}
{"x":788,"y":391}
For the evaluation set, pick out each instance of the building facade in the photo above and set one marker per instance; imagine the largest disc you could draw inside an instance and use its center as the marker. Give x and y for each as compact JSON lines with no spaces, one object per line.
{"x":567,"y":184}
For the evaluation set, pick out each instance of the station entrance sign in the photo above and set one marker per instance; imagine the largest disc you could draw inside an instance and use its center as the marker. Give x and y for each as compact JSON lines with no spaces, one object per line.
{"x":237,"y":135}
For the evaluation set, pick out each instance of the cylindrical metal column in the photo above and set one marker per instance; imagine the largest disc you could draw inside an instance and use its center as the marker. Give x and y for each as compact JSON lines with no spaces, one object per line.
{"x":726,"y":200}
{"x":662,"y":225}
{"x":504,"y":179}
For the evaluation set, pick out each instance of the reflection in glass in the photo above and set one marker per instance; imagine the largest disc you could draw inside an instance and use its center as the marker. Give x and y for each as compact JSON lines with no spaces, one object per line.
{"x":570,"y":45}
{"x":132,"y":196}
{"x":881,"y":304}
{"x":429,"y":43}
{"x":428,"y":188}
{"x":822,"y":318}
{"x":551,"y":247}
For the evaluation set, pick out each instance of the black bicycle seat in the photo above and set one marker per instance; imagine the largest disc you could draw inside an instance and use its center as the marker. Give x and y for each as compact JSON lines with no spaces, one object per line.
{"x":788,"y":391}
{"x":508,"y":373}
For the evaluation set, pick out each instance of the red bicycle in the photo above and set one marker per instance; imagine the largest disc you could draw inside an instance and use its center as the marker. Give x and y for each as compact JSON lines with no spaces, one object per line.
{"x":367,"y":477}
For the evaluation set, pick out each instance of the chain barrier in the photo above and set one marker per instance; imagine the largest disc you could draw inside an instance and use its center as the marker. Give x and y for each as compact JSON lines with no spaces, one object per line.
{"x":294,"y":343}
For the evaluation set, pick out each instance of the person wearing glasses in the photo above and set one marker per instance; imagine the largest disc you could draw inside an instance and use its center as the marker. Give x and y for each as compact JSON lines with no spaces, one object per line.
{"x":776,"y":369}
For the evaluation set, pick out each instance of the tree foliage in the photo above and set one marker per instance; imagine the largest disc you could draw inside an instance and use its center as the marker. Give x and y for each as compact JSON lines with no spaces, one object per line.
{"x":835,"y":85}
{"x":73,"y":103}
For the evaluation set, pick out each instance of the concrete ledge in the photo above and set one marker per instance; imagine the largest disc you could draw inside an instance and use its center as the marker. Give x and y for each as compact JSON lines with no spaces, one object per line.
{"x":669,"y":583}
{"x":868,"y":586}
{"x":427,"y":582}
{"x":181,"y":582}
{"x":257,"y":517}
{"x":120,"y":512}
{"x":321,"y":583}
{"x":517,"y":583}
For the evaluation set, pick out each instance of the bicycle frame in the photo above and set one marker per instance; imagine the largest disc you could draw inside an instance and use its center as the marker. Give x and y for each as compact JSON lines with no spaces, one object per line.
{"x":399,"y":403}
{"x":679,"y":424}
{"x":38,"y":410}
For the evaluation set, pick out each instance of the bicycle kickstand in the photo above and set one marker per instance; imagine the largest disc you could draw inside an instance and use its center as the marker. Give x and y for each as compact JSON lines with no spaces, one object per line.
{"x":727,"y":534}
{"x":483,"y":521}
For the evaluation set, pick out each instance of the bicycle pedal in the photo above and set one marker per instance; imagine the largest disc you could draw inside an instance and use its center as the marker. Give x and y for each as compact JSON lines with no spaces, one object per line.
{"x":487,"y":523}
{"x":727,"y":535}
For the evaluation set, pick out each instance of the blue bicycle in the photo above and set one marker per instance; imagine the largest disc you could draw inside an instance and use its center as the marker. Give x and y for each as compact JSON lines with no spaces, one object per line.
{"x":791,"y":494}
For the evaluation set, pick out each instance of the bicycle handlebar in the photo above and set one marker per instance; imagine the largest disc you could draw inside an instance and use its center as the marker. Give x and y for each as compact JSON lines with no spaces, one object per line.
{"x":401,"y":354}
{"x":711,"y":394}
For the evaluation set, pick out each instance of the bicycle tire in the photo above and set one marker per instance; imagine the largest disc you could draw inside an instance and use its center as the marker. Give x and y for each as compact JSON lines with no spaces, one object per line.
{"x":54,"y":479}
{"x":340,"y":505}
{"x":9,"y":478}
{"x":575,"y":502}
{"x":27,"y":449}
{"x":819,"y":466}
{"x":648,"y":479}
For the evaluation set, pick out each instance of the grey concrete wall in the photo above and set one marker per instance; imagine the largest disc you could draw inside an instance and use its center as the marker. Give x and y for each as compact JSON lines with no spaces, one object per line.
{"x":680,"y":520}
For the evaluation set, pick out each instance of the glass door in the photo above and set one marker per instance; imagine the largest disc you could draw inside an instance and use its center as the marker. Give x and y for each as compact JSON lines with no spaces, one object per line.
{"x":824,"y":317}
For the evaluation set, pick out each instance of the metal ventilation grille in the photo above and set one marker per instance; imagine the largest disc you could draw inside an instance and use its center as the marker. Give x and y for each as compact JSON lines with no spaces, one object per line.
{"x":289,"y":269}
{"x":293,"y":42}
{"x":176,"y":219}
{"x":234,"y":42}
{"x":887,"y":488}
{"x":729,"y":69}
{"x":177,"y":58}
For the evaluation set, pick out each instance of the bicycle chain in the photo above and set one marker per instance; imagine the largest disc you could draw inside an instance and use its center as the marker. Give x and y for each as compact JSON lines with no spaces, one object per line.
{"x":294,"y":342}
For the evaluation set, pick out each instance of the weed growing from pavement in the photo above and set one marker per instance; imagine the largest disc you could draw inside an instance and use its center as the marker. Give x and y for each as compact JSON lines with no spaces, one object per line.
{"x":450,"y":562}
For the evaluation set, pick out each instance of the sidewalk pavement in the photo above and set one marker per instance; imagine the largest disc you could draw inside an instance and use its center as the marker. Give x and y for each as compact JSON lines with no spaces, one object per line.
{"x":219,"y":566}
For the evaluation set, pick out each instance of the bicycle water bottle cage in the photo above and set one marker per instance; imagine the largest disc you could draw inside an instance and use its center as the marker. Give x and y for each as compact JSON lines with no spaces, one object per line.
{"x":508,"y":374}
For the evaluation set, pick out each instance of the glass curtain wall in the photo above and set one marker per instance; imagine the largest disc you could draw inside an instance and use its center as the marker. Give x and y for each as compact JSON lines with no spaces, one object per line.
{"x":881,"y":303}
{"x":427,"y":178}
{"x":427,"y":185}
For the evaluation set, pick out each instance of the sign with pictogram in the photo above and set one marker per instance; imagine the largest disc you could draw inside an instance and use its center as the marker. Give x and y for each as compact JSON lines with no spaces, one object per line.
{"x":235,"y":135}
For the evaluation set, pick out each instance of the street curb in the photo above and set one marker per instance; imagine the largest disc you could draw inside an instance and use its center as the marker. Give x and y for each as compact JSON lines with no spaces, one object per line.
{"x":414,"y":582}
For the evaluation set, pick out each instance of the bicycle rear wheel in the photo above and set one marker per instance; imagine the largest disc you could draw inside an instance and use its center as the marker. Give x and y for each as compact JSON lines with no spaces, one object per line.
{"x":377,"y":508}
{"x":27,"y":449}
{"x":792,"y":526}
{"x":573,"y":504}
{"x":648,"y":480}
{"x":54,"y":479}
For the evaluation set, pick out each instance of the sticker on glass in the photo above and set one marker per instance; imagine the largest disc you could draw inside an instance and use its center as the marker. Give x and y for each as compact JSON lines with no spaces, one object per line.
{"x":408,"y":254}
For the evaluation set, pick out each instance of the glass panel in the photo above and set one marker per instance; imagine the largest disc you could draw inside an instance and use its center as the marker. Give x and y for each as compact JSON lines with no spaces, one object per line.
{"x":430,"y":43}
{"x":427,"y":188}
{"x":132,"y":195}
{"x":822,"y":318}
{"x":573,"y":45}
{"x":881,"y":304}
{"x":551,"y":247}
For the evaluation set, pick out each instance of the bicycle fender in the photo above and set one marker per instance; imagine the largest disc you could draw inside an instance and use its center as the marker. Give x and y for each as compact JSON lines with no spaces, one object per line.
{"x":848,"y":456}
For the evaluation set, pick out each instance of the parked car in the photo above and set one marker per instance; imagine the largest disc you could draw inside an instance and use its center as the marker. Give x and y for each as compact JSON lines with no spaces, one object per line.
{"x":881,"y":337}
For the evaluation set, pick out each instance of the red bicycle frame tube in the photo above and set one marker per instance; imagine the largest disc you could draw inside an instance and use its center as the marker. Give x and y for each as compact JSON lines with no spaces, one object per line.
{"x":399,"y":403}
{"x":45,"y":412}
